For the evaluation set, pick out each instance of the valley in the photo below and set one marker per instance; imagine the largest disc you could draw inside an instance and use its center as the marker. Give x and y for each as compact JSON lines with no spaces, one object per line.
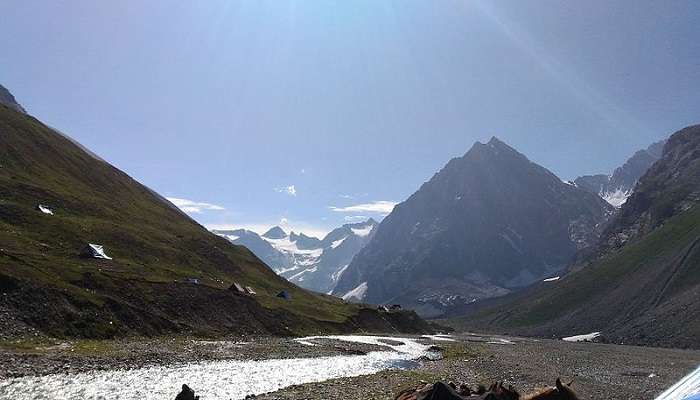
{"x":630,"y":372}
{"x":166,"y":274}
{"x":386,"y":200}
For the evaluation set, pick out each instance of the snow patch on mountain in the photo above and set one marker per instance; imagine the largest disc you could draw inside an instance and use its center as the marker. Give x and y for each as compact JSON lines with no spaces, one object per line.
{"x":356,"y":294}
{"x":616,"y":198}
{"x":338,"y":242}
{"x":337,"y":274}
{"x":362,"y":232}
{"x":307,"y":261}
{"x":299,"y":277}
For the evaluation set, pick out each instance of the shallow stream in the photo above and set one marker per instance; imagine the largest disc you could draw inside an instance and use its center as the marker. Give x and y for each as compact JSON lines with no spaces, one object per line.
{"x":211,"y":380}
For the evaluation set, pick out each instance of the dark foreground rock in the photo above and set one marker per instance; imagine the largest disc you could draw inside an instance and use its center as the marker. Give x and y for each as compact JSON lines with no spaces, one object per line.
{"x":186,"y":394}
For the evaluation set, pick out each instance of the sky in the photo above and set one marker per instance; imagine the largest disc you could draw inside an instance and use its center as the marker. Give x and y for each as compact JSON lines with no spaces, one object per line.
{"x":311,"y":114}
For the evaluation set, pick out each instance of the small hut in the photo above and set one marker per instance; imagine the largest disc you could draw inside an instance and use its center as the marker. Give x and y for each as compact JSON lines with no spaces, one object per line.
{"x":250,"y":290}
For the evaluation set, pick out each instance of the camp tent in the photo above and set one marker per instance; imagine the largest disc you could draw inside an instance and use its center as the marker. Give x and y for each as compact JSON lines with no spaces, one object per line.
{"x":44,"y":209}
{"x":95,"y":251}
{"x":284,"y":295}
{"x":236,"y":287}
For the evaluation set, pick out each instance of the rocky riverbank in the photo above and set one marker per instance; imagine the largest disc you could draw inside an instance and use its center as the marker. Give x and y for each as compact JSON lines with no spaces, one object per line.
{"x":599,"y":371}
{"x":44,"y":356}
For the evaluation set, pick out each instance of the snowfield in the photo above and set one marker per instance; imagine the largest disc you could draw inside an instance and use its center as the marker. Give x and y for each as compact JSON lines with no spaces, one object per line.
{"x":616,"y":198}
{"x":362,"y":232}
{"x":582,"y":338}
{"x":357,"y":294}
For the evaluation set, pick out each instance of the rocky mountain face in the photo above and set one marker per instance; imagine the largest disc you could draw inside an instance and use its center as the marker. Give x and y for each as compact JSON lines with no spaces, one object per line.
{"x":7,"y":99}
{"x":312,"y":263}
{"x":487,"y":223}
{"x":159,"y":272}
{"x":670,"y":187}
{"x":618,"y":186}
{"x":642,"y":285}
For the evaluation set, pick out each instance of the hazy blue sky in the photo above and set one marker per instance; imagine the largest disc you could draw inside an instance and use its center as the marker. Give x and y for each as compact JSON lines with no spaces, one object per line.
{"x":280,"y":110}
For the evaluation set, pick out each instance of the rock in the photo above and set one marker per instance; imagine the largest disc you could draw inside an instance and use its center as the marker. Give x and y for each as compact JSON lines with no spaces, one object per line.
{"x":186,"y":394}
{"x":354,"y":352}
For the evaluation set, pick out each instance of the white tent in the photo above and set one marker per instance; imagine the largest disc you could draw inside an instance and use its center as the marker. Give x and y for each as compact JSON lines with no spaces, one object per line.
{"x":237,"y":287}
{"x":96,"y":251}
{"x":44,"y":209}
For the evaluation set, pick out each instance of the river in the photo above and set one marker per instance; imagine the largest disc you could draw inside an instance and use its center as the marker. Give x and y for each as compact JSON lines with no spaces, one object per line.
{"x":218,"y":380}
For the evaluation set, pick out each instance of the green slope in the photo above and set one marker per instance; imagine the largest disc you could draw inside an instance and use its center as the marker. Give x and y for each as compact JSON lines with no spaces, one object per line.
{"x":48,"y":285}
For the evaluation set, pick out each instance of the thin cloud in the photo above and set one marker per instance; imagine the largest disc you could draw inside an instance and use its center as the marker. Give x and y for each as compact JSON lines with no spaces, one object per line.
{"x":194,"y":207}
{"x":379,"y":207}
{"x":289,"y":190}
{"x":355,"y":218}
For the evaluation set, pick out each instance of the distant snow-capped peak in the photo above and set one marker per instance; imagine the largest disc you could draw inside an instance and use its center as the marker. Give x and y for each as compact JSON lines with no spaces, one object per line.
{"x":310,"y":262}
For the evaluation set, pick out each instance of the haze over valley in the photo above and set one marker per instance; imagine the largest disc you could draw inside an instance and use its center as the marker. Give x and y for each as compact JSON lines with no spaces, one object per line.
{"x":401,"y":200}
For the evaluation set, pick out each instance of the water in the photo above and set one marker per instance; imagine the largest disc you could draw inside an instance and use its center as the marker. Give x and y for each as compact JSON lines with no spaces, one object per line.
{"x":216,"y":379}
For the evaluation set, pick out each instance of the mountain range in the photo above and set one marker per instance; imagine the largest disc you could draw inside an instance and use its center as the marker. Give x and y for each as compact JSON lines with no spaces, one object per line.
{"x":493,"y":241}
{"x":87,"y":251}
{"x":641,"y":285}
{"x":488,"y":223}
{"x":312,"y":263}
{"x":618,"y":186}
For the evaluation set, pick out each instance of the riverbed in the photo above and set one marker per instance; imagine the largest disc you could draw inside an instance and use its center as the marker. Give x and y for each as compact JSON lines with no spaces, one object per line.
{"x":222,"y":379}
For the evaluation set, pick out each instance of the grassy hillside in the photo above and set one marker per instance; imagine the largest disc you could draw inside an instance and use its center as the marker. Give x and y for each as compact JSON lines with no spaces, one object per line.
{"x":48,"y":285}
{"x":646,"y":294}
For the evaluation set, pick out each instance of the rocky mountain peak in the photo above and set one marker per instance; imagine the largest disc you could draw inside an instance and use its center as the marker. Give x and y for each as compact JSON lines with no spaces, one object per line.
{"x":498,"y":143}
{"x":305,"y":242}
{"x":7,"y":99}
{"x":486,"y":223}
{"x":618,"y":186}
{"x":275,"y":233}
{"x":369,"y":223}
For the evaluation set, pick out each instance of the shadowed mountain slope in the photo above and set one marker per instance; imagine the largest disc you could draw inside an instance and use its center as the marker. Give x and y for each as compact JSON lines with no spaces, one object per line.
{"x":487,"y":223}
{"x":642,"y":285}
